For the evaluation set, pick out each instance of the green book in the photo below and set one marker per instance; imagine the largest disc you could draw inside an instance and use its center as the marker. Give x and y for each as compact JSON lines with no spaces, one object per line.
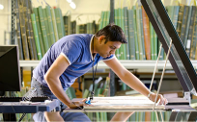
{"x":131,"y":35}
{"x":175,"y":16}
{"x":184,"y":23}
{"x":58,"y":22}
{"x":142,"y":34}
{"x":135,"y":33}
{"x":139,"y":33}
{"x":35,"y":10}
{"x":71,"y":93}
{"x":126,"y":29}
{"x":43,"y":28}
{"x":36,"y":36}
{"x":50,"y":25}
{"x":116,"y":22}
{"x":47,"y":28}
{"x":152,"y":41}
{"x":54,"y":24}
{"x":101,"y":20}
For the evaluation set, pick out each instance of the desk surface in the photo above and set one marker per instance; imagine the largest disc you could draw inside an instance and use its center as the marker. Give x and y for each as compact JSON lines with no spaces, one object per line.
{"x":28,"y":107}
{"x":127,"y":104}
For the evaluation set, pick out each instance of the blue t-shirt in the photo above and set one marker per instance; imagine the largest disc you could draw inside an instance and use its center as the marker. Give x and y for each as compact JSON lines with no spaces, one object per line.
{"x":77,"y":49}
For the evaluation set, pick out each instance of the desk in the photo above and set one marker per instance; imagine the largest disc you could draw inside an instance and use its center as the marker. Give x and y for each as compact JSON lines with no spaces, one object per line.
{"x":137,"y":104}
{"x":31,"y":107}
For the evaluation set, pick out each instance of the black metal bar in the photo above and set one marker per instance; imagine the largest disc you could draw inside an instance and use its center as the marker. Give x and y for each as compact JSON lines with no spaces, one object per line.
{"x":13,"y":14}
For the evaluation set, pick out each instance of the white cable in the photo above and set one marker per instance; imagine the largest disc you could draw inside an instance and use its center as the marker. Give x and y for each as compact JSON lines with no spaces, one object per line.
{"x":162,"y":73}
{"x":153,"y":76}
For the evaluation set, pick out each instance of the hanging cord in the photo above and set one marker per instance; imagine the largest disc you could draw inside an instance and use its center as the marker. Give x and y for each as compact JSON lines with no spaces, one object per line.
{"x":153,"y":76}
{"x":94,"y":73}
{"x":163,"y":72}
{"x":93,"y":77}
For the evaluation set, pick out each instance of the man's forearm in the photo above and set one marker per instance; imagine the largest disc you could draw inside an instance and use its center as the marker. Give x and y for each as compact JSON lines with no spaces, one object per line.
{"x":56,"y":88}
{"x":133,"y":82}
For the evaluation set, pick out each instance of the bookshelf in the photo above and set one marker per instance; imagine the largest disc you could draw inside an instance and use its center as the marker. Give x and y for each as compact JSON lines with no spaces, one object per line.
{"x":129,"y":64}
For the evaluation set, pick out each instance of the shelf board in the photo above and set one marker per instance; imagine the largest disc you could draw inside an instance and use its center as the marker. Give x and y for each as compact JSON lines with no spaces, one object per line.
{"x":129,"y":64}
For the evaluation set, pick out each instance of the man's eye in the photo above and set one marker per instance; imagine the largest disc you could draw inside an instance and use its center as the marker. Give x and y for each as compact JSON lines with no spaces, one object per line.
{"x":112,"y":47}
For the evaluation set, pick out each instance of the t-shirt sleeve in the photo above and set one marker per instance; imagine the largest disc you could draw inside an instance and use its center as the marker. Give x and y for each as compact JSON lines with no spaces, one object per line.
{"x":109,"y":58}
{"x":71,"y":51}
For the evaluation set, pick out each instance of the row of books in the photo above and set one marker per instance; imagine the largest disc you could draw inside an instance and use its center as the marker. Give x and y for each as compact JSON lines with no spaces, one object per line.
{"x":143,"y":43}
{"x":42,"y":27}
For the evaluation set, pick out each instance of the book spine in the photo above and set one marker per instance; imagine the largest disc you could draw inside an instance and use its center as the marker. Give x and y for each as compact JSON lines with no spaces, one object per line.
{"x":146,"y":29}
{"x":38,"y":47}
{"x":35,"y":10}
{"x":43,"y":28}
{"x":23,"y":31}
{"x":19,"y":40}
{"x":27,"y":26}
{"x":29,"y":12}
{"x":131,"y":35}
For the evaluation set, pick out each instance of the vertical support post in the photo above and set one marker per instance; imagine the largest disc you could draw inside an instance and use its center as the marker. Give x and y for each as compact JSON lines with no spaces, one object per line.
{"x":12,"y":35}
{"x":112,"y":74}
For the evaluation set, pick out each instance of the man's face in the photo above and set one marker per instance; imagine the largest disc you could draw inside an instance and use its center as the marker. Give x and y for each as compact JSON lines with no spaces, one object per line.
{"x":108,"y":48}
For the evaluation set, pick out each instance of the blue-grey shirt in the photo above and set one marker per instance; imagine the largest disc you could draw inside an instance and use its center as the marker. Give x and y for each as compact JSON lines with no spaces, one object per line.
{"x":76,"y":49}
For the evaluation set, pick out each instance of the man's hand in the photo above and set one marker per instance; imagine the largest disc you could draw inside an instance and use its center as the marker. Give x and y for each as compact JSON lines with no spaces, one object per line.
{"x":77,"y":104}
{"x":160,"y":99}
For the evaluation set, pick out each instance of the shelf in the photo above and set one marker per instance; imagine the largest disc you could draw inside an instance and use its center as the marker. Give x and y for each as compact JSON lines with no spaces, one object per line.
{"x":129,"y":64}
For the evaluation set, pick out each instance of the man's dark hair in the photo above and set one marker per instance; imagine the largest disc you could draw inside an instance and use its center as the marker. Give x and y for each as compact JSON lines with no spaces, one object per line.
{"x":112,"y":32}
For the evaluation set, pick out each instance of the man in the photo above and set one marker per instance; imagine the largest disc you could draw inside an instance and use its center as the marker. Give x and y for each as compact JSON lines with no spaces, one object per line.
{"x":73,"y":56}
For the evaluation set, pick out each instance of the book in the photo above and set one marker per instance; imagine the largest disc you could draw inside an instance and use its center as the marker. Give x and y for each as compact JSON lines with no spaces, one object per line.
{"x":146,"y":30}
{"x":23,"y":31}
{"x":37,"y":41}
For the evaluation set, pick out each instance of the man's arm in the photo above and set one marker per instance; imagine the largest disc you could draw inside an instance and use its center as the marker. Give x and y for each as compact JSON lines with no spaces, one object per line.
{"x":52,"y":79}
{"x":127,"y":77}
{"x":132,"y":81}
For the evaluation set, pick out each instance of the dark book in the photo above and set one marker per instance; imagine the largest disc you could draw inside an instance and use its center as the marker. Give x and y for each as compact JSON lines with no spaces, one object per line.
{"x":29,"y":12}
{"x":190,"y":30}
{"x":19,"y":40}
{"x":23,"y":31}
{"x":27,"y":26}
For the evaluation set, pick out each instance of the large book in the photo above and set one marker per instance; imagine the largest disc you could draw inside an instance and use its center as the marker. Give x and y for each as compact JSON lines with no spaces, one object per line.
{"x":184,"y":23}
{"x":190,"y":29}
{"x":59,"y":22}
{"x":35,"y":10}
{"x":135,"y":32}
{"x":47,"y":27}
{"x":43,"y":28}
{"x":65,"y":18}
{"x":29,"y":12}
{"x":23,"y":31}
{"x":50,"y":25}
{"x":27,"y":27}
{"x":131,"y":35}
{"x":19,"y":40}
{"x":54,"y":24}
{"x":139,"y":31}
{"x":146,"y":30}
{"x":180,"y":18}
{"x":36,"y":36}
{"x":175,"y":16}
{"x":126,"y":29}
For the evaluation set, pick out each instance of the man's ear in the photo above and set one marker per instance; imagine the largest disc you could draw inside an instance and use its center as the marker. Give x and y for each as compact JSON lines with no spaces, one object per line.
{"x":101,"y":38}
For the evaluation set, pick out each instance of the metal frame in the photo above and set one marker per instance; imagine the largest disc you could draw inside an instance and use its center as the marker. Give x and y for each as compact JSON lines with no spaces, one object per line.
{"x":176,"y":41}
